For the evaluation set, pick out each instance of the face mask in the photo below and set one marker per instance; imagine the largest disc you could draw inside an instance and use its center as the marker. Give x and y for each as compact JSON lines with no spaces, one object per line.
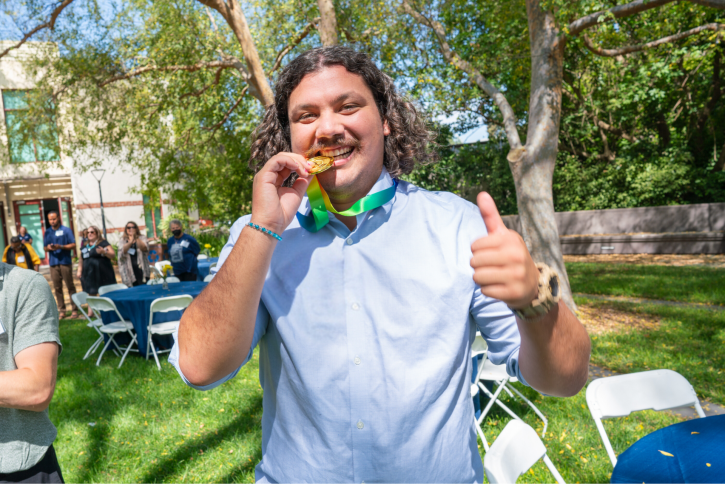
{"x":176,"y":232}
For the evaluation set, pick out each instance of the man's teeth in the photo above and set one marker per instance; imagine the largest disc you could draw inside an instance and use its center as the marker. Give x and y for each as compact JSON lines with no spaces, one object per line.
{"x":336,"y":153}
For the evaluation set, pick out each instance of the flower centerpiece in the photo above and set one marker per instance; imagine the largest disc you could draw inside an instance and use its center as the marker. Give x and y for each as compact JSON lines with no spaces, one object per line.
{"x":165,"y":270}
{"x":206,"y":250}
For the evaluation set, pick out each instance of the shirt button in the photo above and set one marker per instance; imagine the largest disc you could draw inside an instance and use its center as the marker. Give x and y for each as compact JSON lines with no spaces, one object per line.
{"x":355,"y":306}
{"x":349,"y":242}
{"x":357,"y":360}
{"x":360,"y":424}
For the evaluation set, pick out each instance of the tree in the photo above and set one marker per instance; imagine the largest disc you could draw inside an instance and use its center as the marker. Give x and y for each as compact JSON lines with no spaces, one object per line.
{"x":551,"y":25}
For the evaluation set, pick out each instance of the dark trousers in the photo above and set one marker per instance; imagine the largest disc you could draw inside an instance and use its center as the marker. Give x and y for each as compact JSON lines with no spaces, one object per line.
{"x":187,"y":277}
{"x":47,"y":470}
{"x":60,"y":274}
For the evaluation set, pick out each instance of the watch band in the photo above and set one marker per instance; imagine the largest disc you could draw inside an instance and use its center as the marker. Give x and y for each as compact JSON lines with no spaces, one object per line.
{"x":548,"y":297}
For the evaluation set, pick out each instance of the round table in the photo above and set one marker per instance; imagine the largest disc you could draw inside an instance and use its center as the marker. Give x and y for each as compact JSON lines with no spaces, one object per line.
{"x":204,"y":266}
{"x":134,"y":304}
{"x":691,"y":446}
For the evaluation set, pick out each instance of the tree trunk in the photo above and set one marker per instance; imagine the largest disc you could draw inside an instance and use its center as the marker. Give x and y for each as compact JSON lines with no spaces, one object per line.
{"x":533,"y":165}
{"x":232,"y":12}
{"x":328,"y":23}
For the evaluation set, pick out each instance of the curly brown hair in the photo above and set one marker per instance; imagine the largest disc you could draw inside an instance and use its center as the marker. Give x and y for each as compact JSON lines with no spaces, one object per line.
{"x":410,"y":141}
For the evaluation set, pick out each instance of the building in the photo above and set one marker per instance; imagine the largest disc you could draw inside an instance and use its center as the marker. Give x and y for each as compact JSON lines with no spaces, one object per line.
{"x":37,"y":179}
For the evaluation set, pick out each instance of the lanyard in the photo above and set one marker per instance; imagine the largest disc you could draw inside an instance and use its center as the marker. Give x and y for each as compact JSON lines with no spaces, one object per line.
{"x":320,"y":205}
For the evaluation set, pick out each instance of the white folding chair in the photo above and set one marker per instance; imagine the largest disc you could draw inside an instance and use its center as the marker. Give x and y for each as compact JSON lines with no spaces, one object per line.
{"x":153,"y":282}
{"x":212,"y":266}
{"x":487,"y":371}
{"x":100,"y":304}
{"x":202,"y":257}
{"x":111,"y":287}
{"x":620,"y":395}
{"x":208,"y":277}
{"x":163,"y":305}
{"x":478,"y":348}
{"x":172,"y":279}
{"x":79,"y":299}
{"x":514,"y":452}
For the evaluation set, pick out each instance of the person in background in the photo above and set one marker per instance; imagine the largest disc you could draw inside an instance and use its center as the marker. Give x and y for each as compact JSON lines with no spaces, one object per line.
{"x":133,"y":261}
{"x":183,"y":250}
{"x":59,"y":241}
{"x":84,"y":238}
{"x":94,"y":265}
{"x":29,"y":349}
{"x":21,"y":254}
{"x":24,"y":236}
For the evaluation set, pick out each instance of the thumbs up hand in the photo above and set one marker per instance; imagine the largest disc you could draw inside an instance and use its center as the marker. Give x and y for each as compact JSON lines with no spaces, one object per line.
{"x":501,"y":262}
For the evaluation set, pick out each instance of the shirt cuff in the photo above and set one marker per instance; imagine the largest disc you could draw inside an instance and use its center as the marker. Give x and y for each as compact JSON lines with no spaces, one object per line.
{"x":174,"y":360}
{"x":512,"y":367}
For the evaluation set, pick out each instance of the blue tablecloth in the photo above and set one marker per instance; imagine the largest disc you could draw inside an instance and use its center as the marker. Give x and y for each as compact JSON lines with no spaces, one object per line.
{"x":203,"y":266}
{"x":693,"y":444}
{"x":134,"y":304}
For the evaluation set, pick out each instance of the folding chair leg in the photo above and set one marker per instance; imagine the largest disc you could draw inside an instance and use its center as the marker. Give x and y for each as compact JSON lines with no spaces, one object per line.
{"x":148,"y":343}
{"x":480,"y":433}
{"x":553,"y":470}
{"x":127,"y":350}
{"x":153,"y":348}
{"x":535,"y":409}
{"x":491,"y":398}
{"x":98,"y":363}
{"x":93,"y":347}
{"x":501,"y":386}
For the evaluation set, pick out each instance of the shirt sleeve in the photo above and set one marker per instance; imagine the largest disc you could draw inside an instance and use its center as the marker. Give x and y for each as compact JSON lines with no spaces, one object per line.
{"x":36,"y":316}
{"x":33,"y":255}
{"x":71,"y":237}
{"x":46,"y":238}
{"x":5,"y":254}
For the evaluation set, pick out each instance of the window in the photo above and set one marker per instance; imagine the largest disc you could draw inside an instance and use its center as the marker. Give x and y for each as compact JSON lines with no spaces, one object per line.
{"x":42,"y":145}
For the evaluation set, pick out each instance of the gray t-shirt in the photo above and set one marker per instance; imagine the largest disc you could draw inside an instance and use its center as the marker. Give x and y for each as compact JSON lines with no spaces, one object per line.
{"x":29,"y":317}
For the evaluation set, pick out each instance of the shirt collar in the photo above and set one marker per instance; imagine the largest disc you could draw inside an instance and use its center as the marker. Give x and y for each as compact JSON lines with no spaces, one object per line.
{"x":384,"y":181}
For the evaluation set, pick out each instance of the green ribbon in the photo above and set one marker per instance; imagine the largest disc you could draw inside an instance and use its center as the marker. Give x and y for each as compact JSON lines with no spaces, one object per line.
{"x":320,"y":205}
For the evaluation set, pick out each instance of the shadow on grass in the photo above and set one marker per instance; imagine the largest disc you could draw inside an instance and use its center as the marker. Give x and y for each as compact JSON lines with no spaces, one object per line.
{"x":170,"y":467}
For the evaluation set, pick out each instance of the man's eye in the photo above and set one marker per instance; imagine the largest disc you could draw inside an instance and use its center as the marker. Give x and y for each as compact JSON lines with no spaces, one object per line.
{"x":348,"y":107}
{"x":305,"y":116}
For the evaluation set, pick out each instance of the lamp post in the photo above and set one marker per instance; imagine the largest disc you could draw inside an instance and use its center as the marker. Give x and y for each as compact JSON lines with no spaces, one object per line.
{"x":98,"y":175}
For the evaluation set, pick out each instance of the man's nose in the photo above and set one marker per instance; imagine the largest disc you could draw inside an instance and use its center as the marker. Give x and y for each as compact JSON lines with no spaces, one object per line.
{"x":329,"y":126}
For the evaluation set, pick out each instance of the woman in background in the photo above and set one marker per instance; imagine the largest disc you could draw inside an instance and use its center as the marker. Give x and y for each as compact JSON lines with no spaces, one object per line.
{"x":133,"y":261}
{"x":94,"y":265}
{"x":84,"y":238}
{"x":24,"y":236}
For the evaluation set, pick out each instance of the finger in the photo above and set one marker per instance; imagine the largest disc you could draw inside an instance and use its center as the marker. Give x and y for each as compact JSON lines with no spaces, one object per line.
{"x":290,"y":161}
{"x":496,"y":291}
{"x":488,"y":276}
{"x":488,"y":258}
{"x":493,"y":241}
{"x":300,"y":185}
{"x":490,"y":214}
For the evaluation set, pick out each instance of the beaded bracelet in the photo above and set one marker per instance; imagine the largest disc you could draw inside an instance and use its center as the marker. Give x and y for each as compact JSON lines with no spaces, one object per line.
{"x":266,"y":231}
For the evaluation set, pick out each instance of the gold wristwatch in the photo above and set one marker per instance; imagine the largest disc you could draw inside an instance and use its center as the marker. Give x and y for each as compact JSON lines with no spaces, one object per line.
{"x":549,"y":295}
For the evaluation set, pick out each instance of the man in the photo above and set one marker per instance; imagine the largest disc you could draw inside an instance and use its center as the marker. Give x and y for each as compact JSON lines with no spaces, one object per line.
{"x":365,"y":311}
{"x":21,"y":255}
{"x":29,"y":349}
{"x":183,"y":250}
{"x":59,"y":241}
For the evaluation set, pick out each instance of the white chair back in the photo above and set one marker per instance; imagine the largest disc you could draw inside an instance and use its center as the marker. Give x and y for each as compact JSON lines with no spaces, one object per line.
{"x":620,"y":395}
{"x":152,"y":282}
{"x":171,"y":303}
{"x":514,"y":452}
{"x":479,"y":346}
{"x":208,"y":277}
{"x":79,"y":299}
{"x":172,"y":279}
{"x":100,"y":304}
{"x":212,"y":266}
{"x":202,"y":257}
{"x":111,"y":287}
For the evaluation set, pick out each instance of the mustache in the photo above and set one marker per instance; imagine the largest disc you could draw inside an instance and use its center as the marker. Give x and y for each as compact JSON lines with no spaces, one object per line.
{"x":341,"y":142}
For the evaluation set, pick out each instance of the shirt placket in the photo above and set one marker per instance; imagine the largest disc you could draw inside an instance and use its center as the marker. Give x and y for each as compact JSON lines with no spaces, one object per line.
{"x":358,"y":346}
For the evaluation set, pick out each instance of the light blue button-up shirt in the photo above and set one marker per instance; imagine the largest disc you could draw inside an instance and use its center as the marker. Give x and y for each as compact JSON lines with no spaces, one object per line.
{"x":364,"y":344}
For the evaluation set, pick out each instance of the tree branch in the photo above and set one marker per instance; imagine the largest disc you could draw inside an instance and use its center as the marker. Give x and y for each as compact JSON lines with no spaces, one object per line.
{"x":619,"y":11}
{"x":217,"y":78}
{"x":451,"y":57}
{"x":616,"y":131}
{"x":189,"y":68}
{"x":328,"y":23}
{"x":218,"y":125}
{"x":649,"y":45}
{"x":304,"y":33}
{"x":50,"y":24}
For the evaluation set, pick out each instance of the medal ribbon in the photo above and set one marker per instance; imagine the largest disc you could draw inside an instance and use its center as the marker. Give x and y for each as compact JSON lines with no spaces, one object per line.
{"x":320,"y":205}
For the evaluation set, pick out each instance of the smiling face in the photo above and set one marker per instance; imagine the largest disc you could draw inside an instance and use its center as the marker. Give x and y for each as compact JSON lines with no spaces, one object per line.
{"x":332,"y":112}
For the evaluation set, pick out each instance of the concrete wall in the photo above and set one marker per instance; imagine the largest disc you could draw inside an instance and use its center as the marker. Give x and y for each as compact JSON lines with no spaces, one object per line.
{"x":678,"y":229}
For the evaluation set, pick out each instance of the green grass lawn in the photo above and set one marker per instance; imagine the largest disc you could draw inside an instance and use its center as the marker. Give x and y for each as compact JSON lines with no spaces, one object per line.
{"x":149,"y":427}
{"x":686,"y":284}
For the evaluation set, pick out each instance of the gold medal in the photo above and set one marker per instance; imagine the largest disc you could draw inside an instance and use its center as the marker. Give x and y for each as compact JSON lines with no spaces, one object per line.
{"x":320,"y":164}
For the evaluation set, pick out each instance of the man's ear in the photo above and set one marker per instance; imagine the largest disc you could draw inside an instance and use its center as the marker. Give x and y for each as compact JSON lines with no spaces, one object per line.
{"x":386,"y":128}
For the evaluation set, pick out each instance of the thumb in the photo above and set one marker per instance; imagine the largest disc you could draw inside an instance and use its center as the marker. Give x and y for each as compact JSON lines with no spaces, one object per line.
{"x":490,"y":214}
